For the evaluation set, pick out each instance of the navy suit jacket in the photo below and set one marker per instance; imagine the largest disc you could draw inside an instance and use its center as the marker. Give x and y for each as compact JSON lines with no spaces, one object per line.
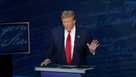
{"x":56,"y":49}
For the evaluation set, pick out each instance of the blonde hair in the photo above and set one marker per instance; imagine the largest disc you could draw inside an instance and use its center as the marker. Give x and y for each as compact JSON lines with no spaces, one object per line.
{"x":68,"y":13}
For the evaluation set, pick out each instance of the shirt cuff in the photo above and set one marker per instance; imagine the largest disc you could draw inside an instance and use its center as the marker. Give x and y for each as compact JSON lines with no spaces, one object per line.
{"x":92,"y":52}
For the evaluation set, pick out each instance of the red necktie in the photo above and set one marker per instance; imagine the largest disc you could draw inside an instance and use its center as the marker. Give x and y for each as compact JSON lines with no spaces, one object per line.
{"x":68,"y":49}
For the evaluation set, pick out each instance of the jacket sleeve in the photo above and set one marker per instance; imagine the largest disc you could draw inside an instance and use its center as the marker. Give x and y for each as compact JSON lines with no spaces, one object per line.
{"x":50,"y":51}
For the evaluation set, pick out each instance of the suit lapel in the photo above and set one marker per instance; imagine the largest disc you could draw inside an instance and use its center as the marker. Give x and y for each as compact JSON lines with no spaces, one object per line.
{"x":76,"y":45}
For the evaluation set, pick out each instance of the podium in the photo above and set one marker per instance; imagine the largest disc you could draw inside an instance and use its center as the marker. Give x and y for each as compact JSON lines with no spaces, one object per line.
{"x":63,"y":71}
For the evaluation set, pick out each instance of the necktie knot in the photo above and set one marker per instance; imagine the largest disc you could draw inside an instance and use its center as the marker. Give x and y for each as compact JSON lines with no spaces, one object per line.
{"x":69,"y":32}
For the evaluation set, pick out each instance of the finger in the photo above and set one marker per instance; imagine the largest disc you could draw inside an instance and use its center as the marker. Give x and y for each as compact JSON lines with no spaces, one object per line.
{"x":42,"y":64}
{"x":95,"y":41}
{"x":88,"y":44}
{"x":97,"y":45}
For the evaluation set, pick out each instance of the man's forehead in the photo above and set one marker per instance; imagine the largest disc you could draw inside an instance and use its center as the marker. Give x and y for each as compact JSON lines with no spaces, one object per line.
{"x":68,"y":18}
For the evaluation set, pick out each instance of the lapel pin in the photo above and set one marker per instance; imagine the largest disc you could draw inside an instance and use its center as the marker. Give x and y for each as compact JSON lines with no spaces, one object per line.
{"x":78,"y":36}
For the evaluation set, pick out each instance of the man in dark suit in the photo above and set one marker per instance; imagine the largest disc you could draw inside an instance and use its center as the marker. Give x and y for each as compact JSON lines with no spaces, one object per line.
{"x":69,"y":44}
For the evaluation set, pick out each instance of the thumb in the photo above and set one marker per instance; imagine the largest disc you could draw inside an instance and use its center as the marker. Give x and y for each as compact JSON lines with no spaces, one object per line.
{"x":42,"y":64}
{"x":88,"y":44}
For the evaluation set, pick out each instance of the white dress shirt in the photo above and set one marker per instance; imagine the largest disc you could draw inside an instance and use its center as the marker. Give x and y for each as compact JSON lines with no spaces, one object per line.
{"x":72,"y":33}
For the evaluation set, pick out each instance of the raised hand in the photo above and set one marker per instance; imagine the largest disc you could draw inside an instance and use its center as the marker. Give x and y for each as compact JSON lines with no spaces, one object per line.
{"x":93,"y":45}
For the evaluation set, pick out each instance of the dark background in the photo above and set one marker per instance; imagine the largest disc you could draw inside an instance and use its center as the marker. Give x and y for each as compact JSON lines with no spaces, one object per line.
{"x":112,"y":22}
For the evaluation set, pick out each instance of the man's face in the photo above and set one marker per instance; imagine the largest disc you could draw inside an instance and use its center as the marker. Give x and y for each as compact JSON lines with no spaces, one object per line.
{"x":68,"y":23}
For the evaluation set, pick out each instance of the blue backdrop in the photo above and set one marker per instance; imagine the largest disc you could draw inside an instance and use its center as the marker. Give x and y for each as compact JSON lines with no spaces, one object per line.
{"x":111,"y":21}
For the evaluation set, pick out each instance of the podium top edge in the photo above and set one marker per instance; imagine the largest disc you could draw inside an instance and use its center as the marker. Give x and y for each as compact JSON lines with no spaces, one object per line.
{"x":66,"y":70}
